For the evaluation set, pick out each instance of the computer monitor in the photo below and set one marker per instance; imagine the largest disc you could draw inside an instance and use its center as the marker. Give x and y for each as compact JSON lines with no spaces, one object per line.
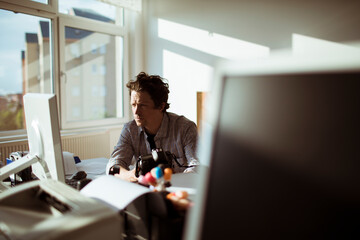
{"x":45,"y":152}
{"x":282,"y":152}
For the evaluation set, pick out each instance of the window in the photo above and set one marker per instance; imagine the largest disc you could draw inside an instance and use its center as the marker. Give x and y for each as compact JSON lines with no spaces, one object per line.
{"x":25,"y":64}
{"x":95,"y":9}
{"x":41,"y":1}
{"x":94,"y":69}
{"x":102,"y":49}
{"x":93,"y":48}
{"x":103,"y":69}
{"x":87,"y":40}
{"x":74,"y":50}
{"x":93,"y":76}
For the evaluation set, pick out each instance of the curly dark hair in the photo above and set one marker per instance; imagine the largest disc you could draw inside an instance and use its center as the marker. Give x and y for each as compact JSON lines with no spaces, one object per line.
{"x":155,"y":85}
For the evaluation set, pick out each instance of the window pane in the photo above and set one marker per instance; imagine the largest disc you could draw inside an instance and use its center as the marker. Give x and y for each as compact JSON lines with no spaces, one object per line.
{"x":25,"y":64}
{"x":92,"y":9}
{"x":91,"y":70}
{"x":41,"y":1}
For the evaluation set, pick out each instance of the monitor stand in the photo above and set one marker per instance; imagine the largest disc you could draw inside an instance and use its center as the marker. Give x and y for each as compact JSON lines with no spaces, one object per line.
{"x":41,"y":171}
{"x":18,"y":166}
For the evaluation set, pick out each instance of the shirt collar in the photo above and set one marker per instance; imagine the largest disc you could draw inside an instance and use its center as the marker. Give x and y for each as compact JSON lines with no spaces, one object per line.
{"x":163,"y":130}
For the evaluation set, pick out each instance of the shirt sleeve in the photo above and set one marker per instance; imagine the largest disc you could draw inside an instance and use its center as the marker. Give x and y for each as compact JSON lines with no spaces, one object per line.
{"x":123,"y":151}
{"x":190,"y":144}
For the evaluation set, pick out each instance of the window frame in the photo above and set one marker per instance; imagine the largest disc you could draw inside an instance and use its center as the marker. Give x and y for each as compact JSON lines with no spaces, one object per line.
{"x":27,"y":7}
{"x":51,"y":7}
{"x":99,"y":27}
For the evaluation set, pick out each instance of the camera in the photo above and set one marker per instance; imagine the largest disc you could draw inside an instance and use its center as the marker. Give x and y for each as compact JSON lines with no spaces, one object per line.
{"x":145,"y":163}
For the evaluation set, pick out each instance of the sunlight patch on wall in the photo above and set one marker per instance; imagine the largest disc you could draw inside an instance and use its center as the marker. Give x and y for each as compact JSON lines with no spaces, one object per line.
{"x":186,"y":77}
{"x":310,"y":46}
{"x":211,"y":43}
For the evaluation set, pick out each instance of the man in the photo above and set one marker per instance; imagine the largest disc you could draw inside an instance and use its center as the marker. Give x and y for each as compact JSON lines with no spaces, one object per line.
{"x":153,"y":127}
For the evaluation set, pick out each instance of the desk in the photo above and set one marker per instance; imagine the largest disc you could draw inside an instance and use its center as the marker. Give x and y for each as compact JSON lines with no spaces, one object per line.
{"x":120,"y":193}
{"x":186,"y":182}
{"x":105,"y":206}
{"x":144,"y":212}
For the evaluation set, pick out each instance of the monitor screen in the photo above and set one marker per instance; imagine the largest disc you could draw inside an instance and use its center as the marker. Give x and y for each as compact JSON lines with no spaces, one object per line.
{"x":283,"y":158}
{"x":42,"y":125}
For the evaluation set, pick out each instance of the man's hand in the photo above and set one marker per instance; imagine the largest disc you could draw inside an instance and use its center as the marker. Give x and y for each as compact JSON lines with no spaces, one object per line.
{"x":126,"y":175}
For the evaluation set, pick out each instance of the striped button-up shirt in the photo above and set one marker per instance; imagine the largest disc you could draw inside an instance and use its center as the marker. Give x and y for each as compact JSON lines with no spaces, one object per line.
{"x":176,"y":134}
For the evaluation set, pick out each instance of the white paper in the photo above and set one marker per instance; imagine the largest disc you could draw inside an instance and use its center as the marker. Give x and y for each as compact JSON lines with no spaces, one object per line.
{"x":69,"y":163}
{"x":93,"y":167}
{"x":114,"y":191}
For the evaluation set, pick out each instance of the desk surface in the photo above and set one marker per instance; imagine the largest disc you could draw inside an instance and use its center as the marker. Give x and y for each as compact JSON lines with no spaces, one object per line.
{"x":184,"y":181}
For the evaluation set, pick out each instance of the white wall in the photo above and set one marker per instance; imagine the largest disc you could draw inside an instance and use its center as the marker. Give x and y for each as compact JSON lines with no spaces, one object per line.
{"x":264,"y":23}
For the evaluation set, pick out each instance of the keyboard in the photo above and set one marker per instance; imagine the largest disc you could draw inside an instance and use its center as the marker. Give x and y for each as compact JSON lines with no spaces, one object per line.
{"x":72,"y":183}
{"x":78,"y":180}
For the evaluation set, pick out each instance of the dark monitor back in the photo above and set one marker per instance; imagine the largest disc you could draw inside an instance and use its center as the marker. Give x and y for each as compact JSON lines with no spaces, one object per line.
{"x":285,"y":158}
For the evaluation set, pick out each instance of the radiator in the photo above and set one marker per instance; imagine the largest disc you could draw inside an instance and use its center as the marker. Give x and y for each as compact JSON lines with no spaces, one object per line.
{"x":85,"y":146}
{"x":9,"y":147}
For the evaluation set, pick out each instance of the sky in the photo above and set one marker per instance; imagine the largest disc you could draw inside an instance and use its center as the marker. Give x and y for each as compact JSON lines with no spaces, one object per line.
{"x":12,"y":42}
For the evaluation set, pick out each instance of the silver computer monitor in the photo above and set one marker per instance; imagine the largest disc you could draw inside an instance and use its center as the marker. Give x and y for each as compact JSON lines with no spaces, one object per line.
{"x":45,"y":152}
{"x":281,"y":152}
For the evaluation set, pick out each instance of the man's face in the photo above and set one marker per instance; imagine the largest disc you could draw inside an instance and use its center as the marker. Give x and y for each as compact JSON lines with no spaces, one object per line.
{"x":144,"y":110}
